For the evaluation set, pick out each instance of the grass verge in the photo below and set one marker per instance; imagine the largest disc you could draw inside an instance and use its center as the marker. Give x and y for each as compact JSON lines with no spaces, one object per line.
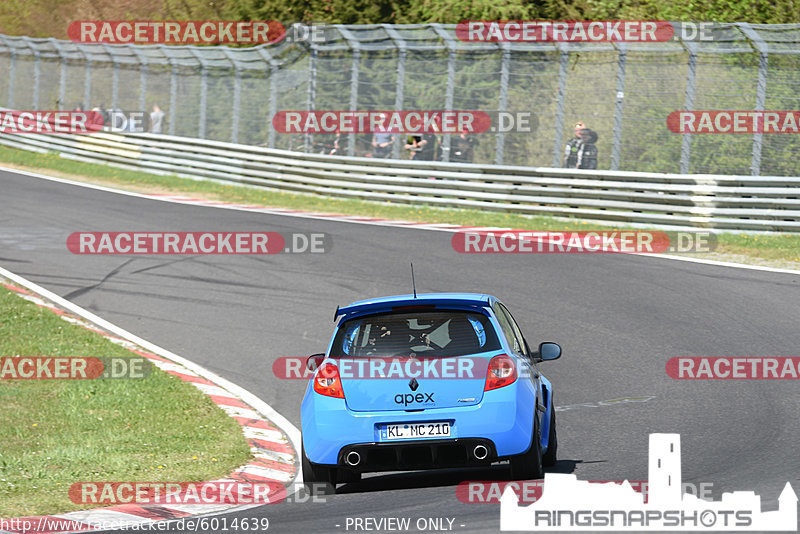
{"x":57,"y":432}
{"x":780,"y":250}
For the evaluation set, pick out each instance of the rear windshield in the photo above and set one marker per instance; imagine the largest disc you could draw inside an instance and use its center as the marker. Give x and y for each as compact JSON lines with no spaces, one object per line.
{"x":438,"y":334}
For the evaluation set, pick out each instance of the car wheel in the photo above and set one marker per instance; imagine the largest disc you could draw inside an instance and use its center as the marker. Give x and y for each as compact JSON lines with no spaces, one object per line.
{"x":528,"y":465}
{"x":549,"y":458}
{"x":318,"y":479}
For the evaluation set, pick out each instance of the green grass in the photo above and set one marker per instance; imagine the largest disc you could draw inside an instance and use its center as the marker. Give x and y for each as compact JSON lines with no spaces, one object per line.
{"x":57,"y":432}
{"x":765,"y":248}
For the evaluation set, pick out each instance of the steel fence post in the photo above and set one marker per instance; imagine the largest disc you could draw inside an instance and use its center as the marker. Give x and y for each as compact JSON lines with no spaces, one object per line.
{"x":114,"y":77}
{"x":761,"y":91}
{"x":273,"y":90}
{"x":237,"y":94}
{"x":691,"y":76}
{"x":87,"y":78}
{"x":311,"y":94}
{"x":36,"y":72}
{"x":62,"y":75}
{"x":451,"y":82}
{"x":400,"y":81}
{"x":616,"y":146}
{"x":354,"y":71}
{"x":173,"y":87}
{"x":502,"y":104}
{"x":563,"y":64}
{"x":12,"y":68}
{"x":201,"y":120}
{"x":142,"y":78}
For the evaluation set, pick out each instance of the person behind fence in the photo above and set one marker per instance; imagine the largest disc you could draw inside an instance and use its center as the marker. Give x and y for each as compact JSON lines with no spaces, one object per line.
{"x":461,"y":147}
{"x":587,"y":150}
{"x":422,"y":147}
{"x":382,"y":140}
{"x":412,"y":145}
{"x":339,"y":144}
{"x":156,"y":120}
{"x":572,"y":146}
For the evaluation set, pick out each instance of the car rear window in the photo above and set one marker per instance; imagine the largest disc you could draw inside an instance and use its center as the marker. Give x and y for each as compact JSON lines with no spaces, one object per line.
{"x":440,"y":333}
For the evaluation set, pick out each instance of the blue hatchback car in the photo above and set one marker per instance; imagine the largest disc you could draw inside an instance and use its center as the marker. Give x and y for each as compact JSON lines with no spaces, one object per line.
{"x":427,"y":382}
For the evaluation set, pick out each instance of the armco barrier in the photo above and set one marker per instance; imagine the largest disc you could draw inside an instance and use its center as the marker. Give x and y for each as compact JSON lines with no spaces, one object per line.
{"x":750,"y":203}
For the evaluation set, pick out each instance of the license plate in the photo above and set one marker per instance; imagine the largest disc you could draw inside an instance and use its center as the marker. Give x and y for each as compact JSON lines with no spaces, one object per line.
{"x":416,"y":430}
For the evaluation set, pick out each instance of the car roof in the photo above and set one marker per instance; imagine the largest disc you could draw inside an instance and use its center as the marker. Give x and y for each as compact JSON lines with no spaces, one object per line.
{"x":381,"y":304}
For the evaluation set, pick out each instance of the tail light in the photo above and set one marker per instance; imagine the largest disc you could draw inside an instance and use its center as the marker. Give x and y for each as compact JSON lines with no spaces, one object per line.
{"x":327,"y":382}
{"x":502,"y":372}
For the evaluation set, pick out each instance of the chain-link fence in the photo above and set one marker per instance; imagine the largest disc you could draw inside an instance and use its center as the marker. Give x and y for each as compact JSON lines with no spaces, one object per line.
{"x":624,"y":92}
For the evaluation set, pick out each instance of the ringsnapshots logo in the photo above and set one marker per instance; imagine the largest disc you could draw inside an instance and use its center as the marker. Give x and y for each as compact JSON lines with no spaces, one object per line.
{"x":73,"y":368}
{"x":569,"y":504}
{"x":541,"y":242}
{"x":191,"y":32}
{"x":117,"y":243}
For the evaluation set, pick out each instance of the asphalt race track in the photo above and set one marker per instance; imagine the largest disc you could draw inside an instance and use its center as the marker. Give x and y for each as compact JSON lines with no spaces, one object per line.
{"x":618,"y":317}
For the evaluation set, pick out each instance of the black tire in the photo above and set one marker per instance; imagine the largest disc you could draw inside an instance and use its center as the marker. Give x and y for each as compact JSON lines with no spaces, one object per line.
{"x":550,"y":457}
{"x":528,"y":465}
{"x":318,"y":479}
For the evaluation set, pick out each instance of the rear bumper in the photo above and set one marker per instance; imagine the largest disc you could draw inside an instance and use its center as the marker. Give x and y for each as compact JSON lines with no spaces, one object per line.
{"x":502,"y":421}
{"x":421,"y":454}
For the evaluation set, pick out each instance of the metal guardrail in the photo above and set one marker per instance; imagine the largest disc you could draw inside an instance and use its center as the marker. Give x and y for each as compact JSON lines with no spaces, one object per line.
{"x":751,"y":203}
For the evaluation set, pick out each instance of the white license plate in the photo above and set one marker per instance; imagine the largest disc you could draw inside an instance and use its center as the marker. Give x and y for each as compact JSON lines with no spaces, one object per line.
{"x":439,"y":429}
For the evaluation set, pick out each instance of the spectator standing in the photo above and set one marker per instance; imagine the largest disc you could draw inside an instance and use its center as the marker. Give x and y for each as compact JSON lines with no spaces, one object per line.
{"x":413,"y":145}
{"x":428,"y":145}
{"x":572,"y":146}
{"x":382,"y":140}
{"x":461,"y":147}
{"x":339,"y":144}
{"x":157,"y":120}
{"x":587,"y":150}
{"x":422,"y":147}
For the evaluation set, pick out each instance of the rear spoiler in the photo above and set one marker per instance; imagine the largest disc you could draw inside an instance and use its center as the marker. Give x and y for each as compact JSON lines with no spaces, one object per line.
{"x":363,"y":308}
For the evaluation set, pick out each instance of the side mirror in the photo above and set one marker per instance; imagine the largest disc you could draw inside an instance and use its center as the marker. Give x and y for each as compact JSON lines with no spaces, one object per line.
{"x":549,"y":351}
{"x":313,"y":361}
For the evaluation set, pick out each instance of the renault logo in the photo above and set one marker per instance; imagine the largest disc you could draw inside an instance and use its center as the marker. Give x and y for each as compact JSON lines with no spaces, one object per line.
{"x":413,"y":384}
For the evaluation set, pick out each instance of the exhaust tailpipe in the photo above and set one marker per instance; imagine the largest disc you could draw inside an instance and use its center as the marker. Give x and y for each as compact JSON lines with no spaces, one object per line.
{"x":480,"y":452}
{"x":353,"y":458}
